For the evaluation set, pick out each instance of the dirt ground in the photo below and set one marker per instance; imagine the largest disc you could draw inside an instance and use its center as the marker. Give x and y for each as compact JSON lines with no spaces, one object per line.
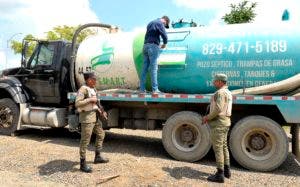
{"x":137,"y":158}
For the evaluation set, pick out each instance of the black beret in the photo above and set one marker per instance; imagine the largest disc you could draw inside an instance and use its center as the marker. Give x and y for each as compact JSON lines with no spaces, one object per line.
{"x":88,"y":75}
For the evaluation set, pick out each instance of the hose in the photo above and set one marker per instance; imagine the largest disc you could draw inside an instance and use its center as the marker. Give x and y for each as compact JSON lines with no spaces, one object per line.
{"x":297,"y":94}
{"x":74,"y":51}
{"x":120,"y":91}
{"x":293,"y":92}
{"x":283,"y":86}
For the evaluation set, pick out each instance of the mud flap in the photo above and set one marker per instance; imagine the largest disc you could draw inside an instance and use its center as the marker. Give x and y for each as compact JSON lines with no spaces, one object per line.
{"x":295,"y":140}
{"x":73,"y":123}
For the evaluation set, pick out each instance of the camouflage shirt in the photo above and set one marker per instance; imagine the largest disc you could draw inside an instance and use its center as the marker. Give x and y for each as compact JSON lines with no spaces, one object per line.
{"x":220,"y":107}
{"x":87,"y":110}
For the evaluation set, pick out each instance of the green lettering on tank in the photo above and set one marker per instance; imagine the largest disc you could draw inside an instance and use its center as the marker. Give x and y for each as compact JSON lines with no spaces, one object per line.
{"x":137,"y":49}
{"x":105,"y":58}
{"x":112,"y":81}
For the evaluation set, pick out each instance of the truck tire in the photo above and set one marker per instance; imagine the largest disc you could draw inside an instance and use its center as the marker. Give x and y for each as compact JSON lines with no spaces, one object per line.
{"x":258,"y":143}
{"x":184,"y":138}
{"x":9,"y":116}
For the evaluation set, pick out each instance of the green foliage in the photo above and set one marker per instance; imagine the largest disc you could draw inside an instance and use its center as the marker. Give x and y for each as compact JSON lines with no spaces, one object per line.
{"x":66,"y":33}
{"x":57,"y":33}
{"x":17,"y":46}
{"x":241,"y":13}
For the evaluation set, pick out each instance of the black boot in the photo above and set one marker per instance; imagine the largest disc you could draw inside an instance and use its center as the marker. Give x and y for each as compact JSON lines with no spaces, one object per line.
{"x":99,"y":158}
{"x":227,"y":172}
{"x":84,"y":167}
{"x":218,"y":177}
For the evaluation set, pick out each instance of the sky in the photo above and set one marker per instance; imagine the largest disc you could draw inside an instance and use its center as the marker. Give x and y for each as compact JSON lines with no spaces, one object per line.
{"x":21,"y":17}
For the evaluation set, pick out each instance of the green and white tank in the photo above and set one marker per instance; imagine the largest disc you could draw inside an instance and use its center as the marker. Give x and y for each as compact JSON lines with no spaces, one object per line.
{"x":258,"y":59}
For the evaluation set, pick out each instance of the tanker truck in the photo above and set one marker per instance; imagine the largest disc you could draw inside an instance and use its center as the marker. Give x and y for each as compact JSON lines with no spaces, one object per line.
{"x":261,"y":61}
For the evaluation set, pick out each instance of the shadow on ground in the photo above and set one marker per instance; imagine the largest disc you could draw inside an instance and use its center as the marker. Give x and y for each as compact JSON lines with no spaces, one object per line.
{"x":56,"y":166}
{"x":139,"y":146}
{"x":186,"y":172}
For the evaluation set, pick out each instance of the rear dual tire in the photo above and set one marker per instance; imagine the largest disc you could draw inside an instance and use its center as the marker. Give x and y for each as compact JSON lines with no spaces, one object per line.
{"x":184,"y":138}
{"x":258,"y":143}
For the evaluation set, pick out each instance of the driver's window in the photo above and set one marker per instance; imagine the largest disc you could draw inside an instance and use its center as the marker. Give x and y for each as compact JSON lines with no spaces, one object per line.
{"x":44,"y":57}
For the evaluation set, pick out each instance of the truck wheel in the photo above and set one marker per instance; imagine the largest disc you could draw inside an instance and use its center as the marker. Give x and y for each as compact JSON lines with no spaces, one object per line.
{"x":258,"y":143}
{"x":9,"y":116}
{"x":184,"y":138}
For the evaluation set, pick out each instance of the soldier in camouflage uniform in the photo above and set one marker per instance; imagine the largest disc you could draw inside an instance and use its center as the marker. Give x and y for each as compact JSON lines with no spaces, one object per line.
{"x":86,"y":104}
{"x":219,"y":122}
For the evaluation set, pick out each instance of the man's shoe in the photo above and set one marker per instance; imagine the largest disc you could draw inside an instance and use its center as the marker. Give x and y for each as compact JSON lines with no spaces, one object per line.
{"x":99,"y":158}
{"x":156,"y":92}
{"x":142,"y":92}
{"x":218,"y":177}
{"x":84,"y":167}
{"x":227,"y":172}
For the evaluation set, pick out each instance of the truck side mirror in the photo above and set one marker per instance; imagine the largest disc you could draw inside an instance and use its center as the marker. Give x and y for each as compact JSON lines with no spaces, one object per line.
{"x":24,"y":52}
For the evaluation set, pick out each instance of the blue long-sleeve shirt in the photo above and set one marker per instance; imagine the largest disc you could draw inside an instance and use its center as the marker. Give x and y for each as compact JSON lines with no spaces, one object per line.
{"x":155,"y":29}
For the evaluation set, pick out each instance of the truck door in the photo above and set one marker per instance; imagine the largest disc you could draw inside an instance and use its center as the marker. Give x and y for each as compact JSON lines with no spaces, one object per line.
{"x":41,"y":78}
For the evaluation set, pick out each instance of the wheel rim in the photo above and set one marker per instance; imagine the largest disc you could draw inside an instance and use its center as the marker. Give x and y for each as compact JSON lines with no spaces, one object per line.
{"x":6,"y":117}
{"x":186,"y":137}
{"x":258,"y":144}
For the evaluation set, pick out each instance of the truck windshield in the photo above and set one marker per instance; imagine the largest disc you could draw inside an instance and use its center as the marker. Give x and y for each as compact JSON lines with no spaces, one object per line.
{"x":44,"y":57}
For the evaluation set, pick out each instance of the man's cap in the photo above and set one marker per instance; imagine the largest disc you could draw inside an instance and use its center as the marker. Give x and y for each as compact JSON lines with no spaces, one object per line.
{"x":220,"y":77}
{"x":167,"y":21}
{"x":88,"y":75}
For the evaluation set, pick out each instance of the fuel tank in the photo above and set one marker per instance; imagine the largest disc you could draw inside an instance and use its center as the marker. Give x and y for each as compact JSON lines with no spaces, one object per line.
{"x":252,"y":56}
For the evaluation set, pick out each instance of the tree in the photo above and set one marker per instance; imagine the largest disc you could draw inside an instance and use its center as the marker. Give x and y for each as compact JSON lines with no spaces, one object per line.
{"x":17,"y":46}
{"x":241,"y":13}
{"x":57,"y":33}
{"x":66,"y":32}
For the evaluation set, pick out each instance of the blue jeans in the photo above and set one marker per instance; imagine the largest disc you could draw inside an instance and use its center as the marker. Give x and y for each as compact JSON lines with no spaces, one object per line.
{"x":150,"y":52}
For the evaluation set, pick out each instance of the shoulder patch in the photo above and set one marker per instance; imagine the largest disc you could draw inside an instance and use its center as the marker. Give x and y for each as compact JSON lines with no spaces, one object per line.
{"x":82,"y":91}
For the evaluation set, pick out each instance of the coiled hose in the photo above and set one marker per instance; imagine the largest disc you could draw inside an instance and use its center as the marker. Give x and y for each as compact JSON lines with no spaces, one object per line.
{"x":291,"y":86}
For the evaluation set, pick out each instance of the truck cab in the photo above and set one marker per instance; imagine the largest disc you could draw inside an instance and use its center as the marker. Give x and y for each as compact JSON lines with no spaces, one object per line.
{"x":44,"y":75}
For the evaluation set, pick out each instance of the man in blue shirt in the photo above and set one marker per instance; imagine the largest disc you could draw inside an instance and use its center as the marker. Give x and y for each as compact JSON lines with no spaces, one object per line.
{"x":155,"y":30}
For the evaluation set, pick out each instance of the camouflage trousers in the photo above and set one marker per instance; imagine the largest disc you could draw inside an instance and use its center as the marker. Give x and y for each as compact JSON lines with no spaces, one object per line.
{"x":86,"y":132}
{"x":219,"y":142}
